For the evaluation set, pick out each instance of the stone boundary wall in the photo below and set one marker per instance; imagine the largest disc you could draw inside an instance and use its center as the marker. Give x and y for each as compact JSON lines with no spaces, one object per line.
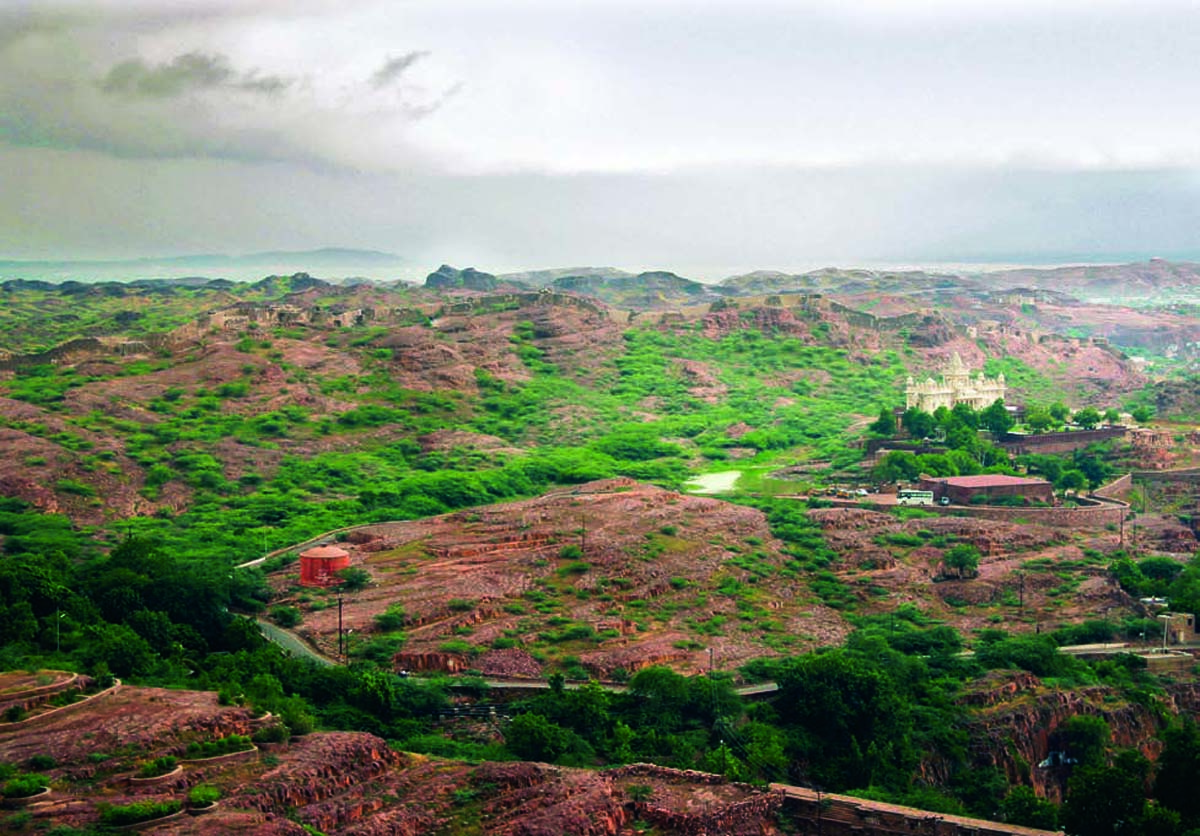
{"x":1059,"y":442}
{"x":1190,"y":475}
{"x":32,"y":697}
{"x":1097,"y":516}
{"x":519,"y":300}
{"x":1116,"y":489}
{"x":37,"y":718}
{"x":843,"y":815}
{"x":864,"y":319}
{"x":84,"y":348}
{"x":522,"y":543}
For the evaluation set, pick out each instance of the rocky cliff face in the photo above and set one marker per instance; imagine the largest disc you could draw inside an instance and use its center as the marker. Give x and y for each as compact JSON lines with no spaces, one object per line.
{"x":1018,"y":721}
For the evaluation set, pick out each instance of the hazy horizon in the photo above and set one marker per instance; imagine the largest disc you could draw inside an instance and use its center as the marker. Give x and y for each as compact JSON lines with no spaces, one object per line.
{"x":167,"y":267}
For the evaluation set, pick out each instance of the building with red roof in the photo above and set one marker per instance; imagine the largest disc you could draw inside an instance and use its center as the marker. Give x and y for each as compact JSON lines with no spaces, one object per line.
{"x":964,"y":489}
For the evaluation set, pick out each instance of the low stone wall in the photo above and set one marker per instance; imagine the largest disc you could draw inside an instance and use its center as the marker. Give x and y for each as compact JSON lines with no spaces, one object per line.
{"x":1059,"y":442}
{"x":1096,"y":516}
{"x":1189,"y":475}
{"x":1116,"y":489}
{"x":841,"y":815}
{"x":33,"y":697}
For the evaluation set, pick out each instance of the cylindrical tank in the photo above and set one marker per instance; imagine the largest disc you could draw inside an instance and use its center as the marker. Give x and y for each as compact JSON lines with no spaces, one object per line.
{"x":319,"y":566}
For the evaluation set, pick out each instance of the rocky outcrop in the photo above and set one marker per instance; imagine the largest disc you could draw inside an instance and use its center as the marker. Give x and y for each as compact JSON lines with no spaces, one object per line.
{"x":449,"y":278}
{"x":1017,"y":725}
{"x":428,"y":662}
{"x":769,"y":320}
{"x":322,"y":766}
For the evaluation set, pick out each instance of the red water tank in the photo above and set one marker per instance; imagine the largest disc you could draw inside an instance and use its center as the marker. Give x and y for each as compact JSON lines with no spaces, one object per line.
{"x":319,"y":566}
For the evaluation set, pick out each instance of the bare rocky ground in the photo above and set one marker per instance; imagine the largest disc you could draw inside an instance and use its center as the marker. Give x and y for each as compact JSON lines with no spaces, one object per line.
{"x":614,"y":576}
{"x":1030,"y":577}
{"x":350,"y":783}
{"x":635,"y":570}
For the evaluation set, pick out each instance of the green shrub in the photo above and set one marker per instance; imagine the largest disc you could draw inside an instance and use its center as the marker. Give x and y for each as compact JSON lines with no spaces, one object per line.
{"x":156,"y":767}
{"x":274,"y":733}
{"x":203,"y":795}
{"x":74,"y":487}
{"x":137,"y":812}
{"x":42,"y":762}
{"x":390,"y":619}
{"x":353,"y":578}
{"x":26,"y":785}
{"x":201,"y":749}
{"x":286,"y":616}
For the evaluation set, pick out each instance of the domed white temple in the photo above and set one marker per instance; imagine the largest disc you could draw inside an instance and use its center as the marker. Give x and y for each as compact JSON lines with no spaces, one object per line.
{"x":956,"y":386}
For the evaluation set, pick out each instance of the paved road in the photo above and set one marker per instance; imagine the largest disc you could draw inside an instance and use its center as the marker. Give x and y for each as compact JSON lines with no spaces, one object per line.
{"x":292,"y":644}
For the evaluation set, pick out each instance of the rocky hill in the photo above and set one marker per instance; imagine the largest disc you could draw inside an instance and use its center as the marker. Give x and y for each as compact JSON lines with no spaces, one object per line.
{"x":607,"y":576}
{"x":656,"y":290}
{"x":251,"y":376}
{"x":347,"y":783}
{"x":1153,"y":282}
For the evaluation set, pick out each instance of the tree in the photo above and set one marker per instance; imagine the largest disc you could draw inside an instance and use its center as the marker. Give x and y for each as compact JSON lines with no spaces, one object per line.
{"x":851,"y":725}
{"x":533,"y":737}
{"x":996,"y":418}
{"x":966,"y":415}
{"x":1059,"y":412}
{"x":1088,"y":417}
{"x":919,"y":424}
{"x":962,"y":558}
{"x":1022,"y":806}
{"x":1178,"y":766}
{"x":897,"y":465}
{"x":1085,"y":738}
{"x":1111,"y":416}
{"x":1072,"y":480}
{"x":885,"y":424}
{"x":1142,"y":414}
{"x":1038,"y":419}
{"x":1106,"y":801}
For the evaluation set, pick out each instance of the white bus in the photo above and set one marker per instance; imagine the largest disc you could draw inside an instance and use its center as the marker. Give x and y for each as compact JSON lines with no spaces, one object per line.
{"x":905,"y":496}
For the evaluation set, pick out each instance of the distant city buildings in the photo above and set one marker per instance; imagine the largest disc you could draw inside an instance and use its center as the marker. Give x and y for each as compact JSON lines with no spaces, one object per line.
{"x":956,"y":386}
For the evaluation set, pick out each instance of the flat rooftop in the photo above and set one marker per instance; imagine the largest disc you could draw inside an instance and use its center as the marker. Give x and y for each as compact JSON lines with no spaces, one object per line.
{"x":990,"y":480}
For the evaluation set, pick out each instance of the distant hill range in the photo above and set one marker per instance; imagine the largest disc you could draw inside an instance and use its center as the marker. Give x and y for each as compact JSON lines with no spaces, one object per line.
{"x":842,"y":280}
{"x":1140,"y":283}
{"x":1137,"y":284}
{"x":332,"y":262}
{"x":645,"y":291}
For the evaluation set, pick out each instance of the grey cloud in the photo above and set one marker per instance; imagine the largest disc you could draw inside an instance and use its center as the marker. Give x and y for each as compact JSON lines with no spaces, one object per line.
{"x":187,"y":72}
{"x":420,"y":111}
{"x":393,"y":68}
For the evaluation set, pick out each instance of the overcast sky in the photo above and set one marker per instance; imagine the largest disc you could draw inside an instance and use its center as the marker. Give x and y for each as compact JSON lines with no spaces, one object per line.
{"x":701,"y":137}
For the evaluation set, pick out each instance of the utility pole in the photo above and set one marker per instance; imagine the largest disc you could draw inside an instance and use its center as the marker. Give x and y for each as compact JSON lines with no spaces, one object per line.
{"x":710,"y":661}
{"x":341,"y":644}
